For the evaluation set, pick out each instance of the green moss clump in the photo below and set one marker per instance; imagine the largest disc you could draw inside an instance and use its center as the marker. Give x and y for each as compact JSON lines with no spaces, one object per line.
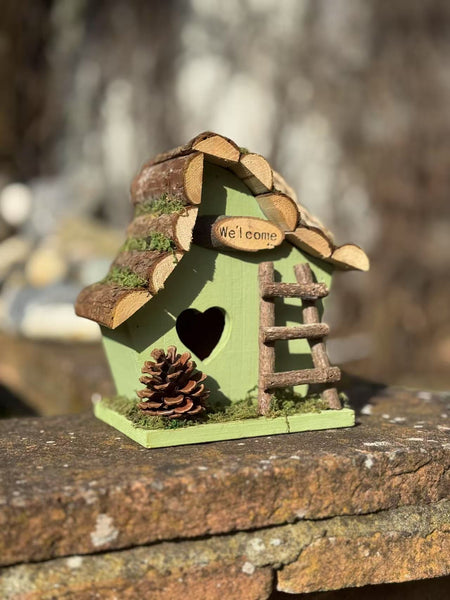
{"x":129,"y":409}
{"x":285,"y":403}
{"x":244,"y":409}
{"x":155,"y":241}
{"x":243,"y":150}
{"x":124,"y":277}
{"x":166,"y":204}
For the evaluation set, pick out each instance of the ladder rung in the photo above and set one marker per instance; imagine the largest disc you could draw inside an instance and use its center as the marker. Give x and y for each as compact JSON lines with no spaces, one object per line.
{"x":306,"y":291}
{"x":288,"y":378}
{"x":309,"y":331}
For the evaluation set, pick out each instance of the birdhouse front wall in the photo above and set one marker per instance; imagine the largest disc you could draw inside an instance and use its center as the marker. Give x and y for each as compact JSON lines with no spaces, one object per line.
{"x":207,"y":279}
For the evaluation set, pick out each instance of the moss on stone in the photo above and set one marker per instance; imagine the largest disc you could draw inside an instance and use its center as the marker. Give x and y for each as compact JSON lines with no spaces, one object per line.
{"x":124,"y":277}
{"x":166,"y":204}
{"x":285,"y":403}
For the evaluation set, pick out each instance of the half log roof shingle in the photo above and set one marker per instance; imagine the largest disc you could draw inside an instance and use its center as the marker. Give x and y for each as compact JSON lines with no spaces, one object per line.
{"x":166,"y":193}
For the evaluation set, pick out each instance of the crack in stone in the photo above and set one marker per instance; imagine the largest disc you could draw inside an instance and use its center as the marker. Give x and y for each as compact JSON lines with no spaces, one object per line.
{"x":273,"y":548}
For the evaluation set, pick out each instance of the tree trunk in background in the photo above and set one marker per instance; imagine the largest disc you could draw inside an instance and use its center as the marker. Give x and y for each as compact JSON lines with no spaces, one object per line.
{"x":404,"y":153}
{"x":24,"y":31}
{"x":350,"y":100}
{"x":111,"y":93}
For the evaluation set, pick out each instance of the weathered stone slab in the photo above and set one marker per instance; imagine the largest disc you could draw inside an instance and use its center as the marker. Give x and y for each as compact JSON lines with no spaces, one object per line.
{"x":207,"y":570}
{"x":72,"y":485}
{"x":403,"y":544}
{"x":396,"y":545}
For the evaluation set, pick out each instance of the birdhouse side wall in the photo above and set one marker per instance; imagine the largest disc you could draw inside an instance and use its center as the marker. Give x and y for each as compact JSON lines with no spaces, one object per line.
{"x":207,"y":278}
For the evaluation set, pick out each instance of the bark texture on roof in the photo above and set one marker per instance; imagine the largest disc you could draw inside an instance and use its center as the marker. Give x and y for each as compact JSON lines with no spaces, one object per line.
{"x":166,"y":193}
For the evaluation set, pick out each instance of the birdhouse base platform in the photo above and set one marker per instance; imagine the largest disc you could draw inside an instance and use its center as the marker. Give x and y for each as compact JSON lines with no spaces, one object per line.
{"x":230,"y":430}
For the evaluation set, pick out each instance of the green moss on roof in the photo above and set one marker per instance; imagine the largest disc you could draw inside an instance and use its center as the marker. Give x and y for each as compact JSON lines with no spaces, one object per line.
{"x":166,"y":204}
{"x":124,"y":277}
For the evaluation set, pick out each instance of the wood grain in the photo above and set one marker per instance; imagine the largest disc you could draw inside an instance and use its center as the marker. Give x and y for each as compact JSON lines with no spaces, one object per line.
{"x":312,"y":240}
{"x":306,"y":218}
{"x":110,"y":304}
{"x":151,"y":265}
{"x":280,"y":209}
{"x":255,"y":172}
{"x":180,"y":177}
{"x":176,"y":226}
{"x":219,"y":149}
{"x":350,"y":256}
{"x":249,"y":234}
{"x":207,"y":142}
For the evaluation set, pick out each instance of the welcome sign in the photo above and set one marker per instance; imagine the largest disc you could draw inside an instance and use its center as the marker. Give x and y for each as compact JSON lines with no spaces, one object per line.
{"x":249,"y":234}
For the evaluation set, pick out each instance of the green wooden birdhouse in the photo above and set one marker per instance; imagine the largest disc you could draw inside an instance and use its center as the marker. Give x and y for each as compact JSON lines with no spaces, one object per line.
{"x":211,"y":313}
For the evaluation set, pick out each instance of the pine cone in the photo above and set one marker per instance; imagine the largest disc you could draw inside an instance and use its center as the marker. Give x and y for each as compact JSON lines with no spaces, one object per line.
{"x":173,"y":387}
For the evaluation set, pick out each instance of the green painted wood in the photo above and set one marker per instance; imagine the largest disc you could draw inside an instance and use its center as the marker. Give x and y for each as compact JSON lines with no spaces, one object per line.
{"x":206,"y":278}
{"x":233,"y":430}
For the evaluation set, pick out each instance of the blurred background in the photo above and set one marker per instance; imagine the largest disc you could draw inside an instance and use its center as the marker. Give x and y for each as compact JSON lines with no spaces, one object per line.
{"x":348,"y":99}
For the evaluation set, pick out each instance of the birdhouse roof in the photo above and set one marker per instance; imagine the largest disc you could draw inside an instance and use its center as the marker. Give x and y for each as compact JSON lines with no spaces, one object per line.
{"x":166,"y":194}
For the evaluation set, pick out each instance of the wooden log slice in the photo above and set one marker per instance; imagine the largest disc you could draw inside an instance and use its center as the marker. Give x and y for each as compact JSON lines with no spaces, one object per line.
{"x":306,"y":218}
{"x":153,"y":266}
{"x":219,"y":149}
{"x":172,"y":153}
{"x":349,"y":257}
{"x":162,"y":271}
{"x":280,"y":209}
{"x":179,"y":177}
{"x":110,"y":304}
{"x":280,"y":184}
{"x":176,"y":226}
{"x":249,"y":234}
{"x":311,"y":240}
{"x":255,"y":172}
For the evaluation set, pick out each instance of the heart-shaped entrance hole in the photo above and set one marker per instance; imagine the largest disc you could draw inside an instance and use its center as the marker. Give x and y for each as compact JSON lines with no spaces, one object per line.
{"x":201,"y":331}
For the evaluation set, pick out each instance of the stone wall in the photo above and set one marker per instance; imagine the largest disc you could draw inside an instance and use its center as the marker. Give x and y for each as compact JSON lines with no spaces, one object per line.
{"x":87,"y":513}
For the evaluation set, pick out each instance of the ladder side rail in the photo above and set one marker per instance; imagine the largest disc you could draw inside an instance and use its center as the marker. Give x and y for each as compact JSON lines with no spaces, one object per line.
{"x":319,"y":354}
{"x":266,"y":349}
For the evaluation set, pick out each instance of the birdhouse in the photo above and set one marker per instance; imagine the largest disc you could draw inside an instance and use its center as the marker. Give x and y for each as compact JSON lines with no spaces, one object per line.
{"x":211,"y":313}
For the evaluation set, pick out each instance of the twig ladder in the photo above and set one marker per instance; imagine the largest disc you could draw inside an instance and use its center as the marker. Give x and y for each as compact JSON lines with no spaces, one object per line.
{"x":312,"y":330}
